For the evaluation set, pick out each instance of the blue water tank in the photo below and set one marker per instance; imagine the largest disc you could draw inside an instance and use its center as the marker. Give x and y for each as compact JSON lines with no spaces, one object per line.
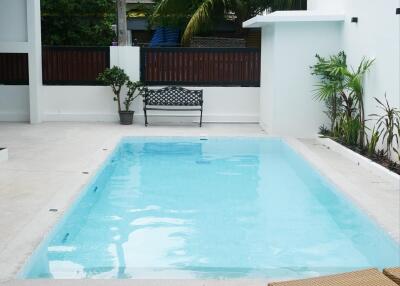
{"x":165,"y":37}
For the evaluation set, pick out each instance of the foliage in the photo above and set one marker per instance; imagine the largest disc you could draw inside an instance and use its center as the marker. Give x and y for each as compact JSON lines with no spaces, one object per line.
{"x":372,"y":143}
{"x":342,"y":91}
{"x":76,"y":22}
{"x":323,"y":130}
{"x":390,"y":120}
{"x":331,"y":72}
{"x":196,"y":16}
{"x":349,"y":130}
{"x":116,"y":79}
{"x":354,"y":83}
{"x":334,"y":107}
{"x":397,"y":150}
{"x":130,"y":96}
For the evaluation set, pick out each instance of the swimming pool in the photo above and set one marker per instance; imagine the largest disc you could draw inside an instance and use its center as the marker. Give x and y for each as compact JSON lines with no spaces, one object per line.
{"x":216,"y":208}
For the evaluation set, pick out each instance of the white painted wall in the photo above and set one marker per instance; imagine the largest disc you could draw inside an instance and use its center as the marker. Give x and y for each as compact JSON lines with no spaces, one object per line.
{"x":20,"y":32}
{"x":221,"y":104}
{"x":287,"y":107}
{"x":327,"y":5}
{"x":376,"y":35}
{"x":127,"y":58}
{"x":268,"y":62}
{"x":90,"y":103}
{"x":13,"y":21}
{"x":295,"y":112}
{"x":95,"y":103}
{"x":14,"y":103}
{"x":78,"y":103}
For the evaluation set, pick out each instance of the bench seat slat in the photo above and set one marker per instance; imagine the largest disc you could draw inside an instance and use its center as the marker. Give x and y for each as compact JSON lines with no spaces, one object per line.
{"x":173,"y":109}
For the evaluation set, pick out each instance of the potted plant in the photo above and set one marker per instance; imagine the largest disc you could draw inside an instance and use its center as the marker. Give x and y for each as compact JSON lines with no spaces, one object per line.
{"x":116,"y":78}
{"x":126,"y":116}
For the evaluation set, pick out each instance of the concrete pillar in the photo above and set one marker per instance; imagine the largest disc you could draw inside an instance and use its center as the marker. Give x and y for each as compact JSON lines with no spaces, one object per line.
{"x":34,"y":59}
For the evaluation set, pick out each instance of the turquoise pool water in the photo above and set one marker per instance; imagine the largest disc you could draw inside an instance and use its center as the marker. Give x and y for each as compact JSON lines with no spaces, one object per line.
{"x":217,"y":208}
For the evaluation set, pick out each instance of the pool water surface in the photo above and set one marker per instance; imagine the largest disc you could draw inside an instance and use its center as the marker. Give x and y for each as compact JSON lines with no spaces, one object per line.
{"x":216,"y":208}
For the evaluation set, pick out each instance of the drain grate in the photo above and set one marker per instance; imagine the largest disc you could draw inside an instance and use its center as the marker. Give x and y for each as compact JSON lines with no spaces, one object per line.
{"x":203,"y":162}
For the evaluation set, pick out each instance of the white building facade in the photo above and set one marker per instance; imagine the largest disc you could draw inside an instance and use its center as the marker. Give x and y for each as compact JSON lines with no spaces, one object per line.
{"x":20,"y":32}
{"x":290,"y":41}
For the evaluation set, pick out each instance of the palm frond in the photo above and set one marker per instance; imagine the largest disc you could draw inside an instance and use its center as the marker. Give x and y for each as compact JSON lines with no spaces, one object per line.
{"x":168,"y":6}
{"x":324,"y":91}
{"x":200,"y":18}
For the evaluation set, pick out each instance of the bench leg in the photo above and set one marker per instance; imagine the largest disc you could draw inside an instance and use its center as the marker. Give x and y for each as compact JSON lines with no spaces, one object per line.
{"x":201,"y":116}
{"x":145,"y":117}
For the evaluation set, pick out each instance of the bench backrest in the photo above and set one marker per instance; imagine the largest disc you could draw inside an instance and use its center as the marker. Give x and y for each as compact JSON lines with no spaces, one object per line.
{"x":173,"y":96}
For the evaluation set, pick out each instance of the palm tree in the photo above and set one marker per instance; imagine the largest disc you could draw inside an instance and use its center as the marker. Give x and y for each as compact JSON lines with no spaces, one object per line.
{"x":355,"y":84}
{"x":337,"y":81}
{"x":203,"y":12}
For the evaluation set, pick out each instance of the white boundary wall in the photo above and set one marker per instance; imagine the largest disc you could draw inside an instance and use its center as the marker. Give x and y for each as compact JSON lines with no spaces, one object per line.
{"x":375,"y":36}
{"x":20,"y":33}
{"x":290,"y":41}
{"x":14,"y":103}
{"x":95,"y":103}
{"x":287,"y":106}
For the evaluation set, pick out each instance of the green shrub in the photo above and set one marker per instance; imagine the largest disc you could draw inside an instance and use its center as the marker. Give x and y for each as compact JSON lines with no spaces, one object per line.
{"x":116,"y":78}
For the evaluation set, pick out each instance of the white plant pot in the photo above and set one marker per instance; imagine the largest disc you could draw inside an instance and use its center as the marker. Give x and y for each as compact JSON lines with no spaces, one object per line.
{"x":3,"y":154}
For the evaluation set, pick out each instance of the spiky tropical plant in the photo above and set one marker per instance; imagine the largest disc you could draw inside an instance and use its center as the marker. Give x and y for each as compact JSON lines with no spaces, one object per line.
{"x":397,"y":150}
{"x":349,"y":129}
{"x":373,"y":141}
{"x":390,"y":120}
{"x":200,"y":14}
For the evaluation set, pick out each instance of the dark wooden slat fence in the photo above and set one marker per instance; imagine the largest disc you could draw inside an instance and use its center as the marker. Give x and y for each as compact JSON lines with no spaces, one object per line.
{"x":14,"y":69}
{"x":201,"y":66}
{"x":74,"y":65}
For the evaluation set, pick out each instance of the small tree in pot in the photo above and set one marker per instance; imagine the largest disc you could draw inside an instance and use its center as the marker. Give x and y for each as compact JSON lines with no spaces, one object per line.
{"x":116,"y":78}
{"x":126,"y":116}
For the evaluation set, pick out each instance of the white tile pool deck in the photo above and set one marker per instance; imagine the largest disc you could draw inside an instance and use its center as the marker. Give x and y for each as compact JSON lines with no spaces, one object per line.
{"x":47,"y":161}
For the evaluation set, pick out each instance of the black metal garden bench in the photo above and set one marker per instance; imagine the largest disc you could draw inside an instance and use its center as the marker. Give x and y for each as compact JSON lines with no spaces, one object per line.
{"x":172,"y":98}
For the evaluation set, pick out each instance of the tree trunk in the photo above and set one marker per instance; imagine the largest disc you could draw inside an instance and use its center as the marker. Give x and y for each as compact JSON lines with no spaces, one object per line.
{"x":122,"y":27}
